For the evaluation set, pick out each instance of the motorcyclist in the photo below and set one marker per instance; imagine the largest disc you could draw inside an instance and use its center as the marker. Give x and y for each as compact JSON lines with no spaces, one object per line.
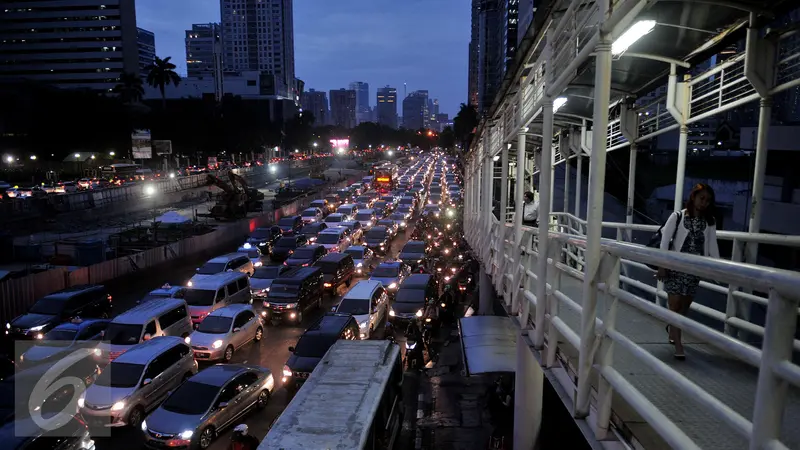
{"x":241,"y":440}
{"x":447,"y":301}
{"x":414,"y":345}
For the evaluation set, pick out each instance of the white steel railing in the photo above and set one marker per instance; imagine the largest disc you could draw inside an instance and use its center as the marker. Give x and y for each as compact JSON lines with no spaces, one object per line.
{"x":516,"y":281}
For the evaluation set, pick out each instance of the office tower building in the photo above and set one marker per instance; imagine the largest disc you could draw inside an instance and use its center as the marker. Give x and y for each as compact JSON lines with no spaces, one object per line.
{"x":316,"y":102}
{"x":258,"y":35}
{"x":37,"y":47}
{"x":362,"y":100}
{"x":387,"y":106}
{"x":343,"y":108}
{"x":415,"y":110}
{"x":146,"y":42}
{"x":525,"y":14}
{"x":200,"y":43}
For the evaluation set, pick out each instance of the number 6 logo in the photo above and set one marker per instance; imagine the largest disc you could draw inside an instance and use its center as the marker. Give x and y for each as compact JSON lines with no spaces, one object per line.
{"x":52,"y":382}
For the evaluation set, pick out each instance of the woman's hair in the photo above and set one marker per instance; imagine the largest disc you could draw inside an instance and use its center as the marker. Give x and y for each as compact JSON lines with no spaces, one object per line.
{"x":528,"y":194}
{"x":711,"y":211}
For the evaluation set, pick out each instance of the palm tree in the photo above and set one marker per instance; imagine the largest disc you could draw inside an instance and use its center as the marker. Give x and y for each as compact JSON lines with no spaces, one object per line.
{"x":162,"y":73}
{"x":464,"y":124}
{"x":130,"y":88}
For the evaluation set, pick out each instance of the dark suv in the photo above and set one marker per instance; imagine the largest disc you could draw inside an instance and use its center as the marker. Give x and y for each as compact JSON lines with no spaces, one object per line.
{"x":86,"y":300}
{"x":291,"y":224}
{"x":337,"y":269}
{"x":313,"y":345}
{"x":285,"y":246}
{"x":292,"y":294}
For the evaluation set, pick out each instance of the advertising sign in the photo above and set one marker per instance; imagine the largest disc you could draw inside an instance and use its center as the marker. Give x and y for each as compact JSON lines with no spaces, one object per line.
{"x":340,"y":143}
{"x":162,"y":147}
{"x":141,"y":144}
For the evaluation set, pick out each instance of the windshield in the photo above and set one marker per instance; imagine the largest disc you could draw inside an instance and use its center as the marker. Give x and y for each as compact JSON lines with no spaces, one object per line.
{"x":353,"y":306}
{"x":199,"y":297}
{"x":414,"y":248}
{"x":334,"y":219}
{"x":328,"y":268}
{"x":313,"y":346}
{"x":309,"y":213}
{"x":386,"y":271}
{"x":286,"y":222}
{"x":364,"y":216}
{"x":376,"y":234}
{"x":410,"y":296}
{"x":253,"y":254}
{"x":287,"y":243}
{"x":191,"y":399}
{"x":55,"y":337}
{"x":303,"y":253}
{"x":119,"y":374}
{"x":267,"y":273}
{"x":52,"y":306}
{"x":123,"y":334}
{"x":355,"y":253}
{"x":211,"y":268}
{"x":328,"y":238}
{"x":284,"y":290}
{"x":215,"y":325}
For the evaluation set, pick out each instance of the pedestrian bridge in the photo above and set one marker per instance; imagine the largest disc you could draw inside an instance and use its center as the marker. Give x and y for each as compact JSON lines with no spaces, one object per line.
{"x":590,"y":312}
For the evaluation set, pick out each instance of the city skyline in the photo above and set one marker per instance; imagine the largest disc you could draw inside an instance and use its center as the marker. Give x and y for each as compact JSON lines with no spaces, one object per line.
{"x":334,"y":47}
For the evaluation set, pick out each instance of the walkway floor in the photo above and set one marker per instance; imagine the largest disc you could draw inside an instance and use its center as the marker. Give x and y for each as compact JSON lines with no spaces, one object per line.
{"x":728,"y":379}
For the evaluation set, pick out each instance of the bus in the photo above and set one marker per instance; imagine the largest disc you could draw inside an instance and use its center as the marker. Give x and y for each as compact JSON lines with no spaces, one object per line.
{"x":352,"y":400}
{"x":125,"y":172}
{"x":385,"y":177}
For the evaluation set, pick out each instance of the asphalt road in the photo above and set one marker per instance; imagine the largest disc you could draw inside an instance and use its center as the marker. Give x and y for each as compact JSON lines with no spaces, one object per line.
{"x":272,"y":352}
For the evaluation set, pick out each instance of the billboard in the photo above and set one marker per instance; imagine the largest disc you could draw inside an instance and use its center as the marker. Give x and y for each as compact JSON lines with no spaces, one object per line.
{"x":141,"y":145}
{"x":340,"y":143}
{"x":162,"y":147}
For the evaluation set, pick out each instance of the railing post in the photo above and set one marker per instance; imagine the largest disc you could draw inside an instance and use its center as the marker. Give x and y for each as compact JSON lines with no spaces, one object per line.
{"x":629,"y":127}
{"x":519,"y":189}
{"x":771,"y":390}
{"x":606,"y":355}
{"x":566,"y":152}
{"x":501,"y":213}
{"x":733,"y":304}
{"x":597,"y":178}
{"x":579,"y":176}
{"x":545,"y":194}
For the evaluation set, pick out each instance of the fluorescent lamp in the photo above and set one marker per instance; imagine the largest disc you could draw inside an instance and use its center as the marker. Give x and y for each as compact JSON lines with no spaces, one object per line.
{"x":633,"y":34}
{"x":496,"y":158}
{"x":558,"y":103}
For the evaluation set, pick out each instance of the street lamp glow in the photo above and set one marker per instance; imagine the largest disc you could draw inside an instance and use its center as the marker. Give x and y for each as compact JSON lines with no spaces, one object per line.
{"x":341,"y":151}
{"x":111,"y":153}
{"x":558,"y":103}
{"x":273,"y":169}
{"x":33,"y":157}
{"x":9,"y":159}
{"x":390,"y":153}
{"x":149,"y":190}
{"x":77,"y":155}
{"x":296,"y":151}
{"x":92,"y":156}
{"x":631,"y":35}
{"x":315,"y":144}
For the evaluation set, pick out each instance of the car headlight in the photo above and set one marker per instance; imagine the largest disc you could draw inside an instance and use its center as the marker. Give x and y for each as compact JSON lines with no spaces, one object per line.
{"x":144,"y":426}
{"x":187,"y":339}
{"x":81,"y":401}
{"x":189,"y":284}
{"x":37,"y":328}
{"x":217,"y":344}
{"x":258,"y":264}
{"x":287,"y":372}
{"x":187,"y":434}
{"x":419,"y":313}
{"x":391,"y":312}
{"x":444,"y":305}
{"x":291,"y":305}
{"x":8,"y":326}
{"x":363,"y":324}
{"x":261,"y":244}
{"x":39,"y":336}
{"x":393,"y":286}
{"x":118,"y":406}
{"x":360,"y":265}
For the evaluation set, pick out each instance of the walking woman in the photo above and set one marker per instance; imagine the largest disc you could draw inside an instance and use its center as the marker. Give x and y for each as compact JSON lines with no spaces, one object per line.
{"x":695,"y":232}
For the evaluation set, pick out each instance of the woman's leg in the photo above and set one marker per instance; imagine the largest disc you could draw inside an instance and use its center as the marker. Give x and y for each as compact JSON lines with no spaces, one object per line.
{"x":684,"y":302}
{"x":674,"y":304}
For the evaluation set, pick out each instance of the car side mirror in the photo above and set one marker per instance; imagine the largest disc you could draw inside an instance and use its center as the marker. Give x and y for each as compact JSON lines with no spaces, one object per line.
{"x":291,"y":348}
{"x":147,"y":337}
{"x":147,"y":381}
{"x":222,"y":405}
{"x":237,"y":329}
{"x":333,"y":309}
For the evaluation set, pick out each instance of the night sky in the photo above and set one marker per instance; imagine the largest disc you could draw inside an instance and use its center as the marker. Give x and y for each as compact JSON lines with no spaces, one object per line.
{"x":419,"y":42}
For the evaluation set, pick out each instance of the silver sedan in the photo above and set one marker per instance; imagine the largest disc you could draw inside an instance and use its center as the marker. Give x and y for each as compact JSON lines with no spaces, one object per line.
{"x":224,"y":331}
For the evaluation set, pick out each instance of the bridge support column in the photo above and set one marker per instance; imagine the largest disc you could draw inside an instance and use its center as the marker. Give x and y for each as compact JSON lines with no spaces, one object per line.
{"x":545,"y":201}
{"x":597,"y":179}
{"x":629,"y":127}
{"x":678,"y":98}
{"x":503,"y":186}
{"x":528,"y":393}
{"x":485,"y":307}
{"x":578,"y":183}
{"x":519,"y":189}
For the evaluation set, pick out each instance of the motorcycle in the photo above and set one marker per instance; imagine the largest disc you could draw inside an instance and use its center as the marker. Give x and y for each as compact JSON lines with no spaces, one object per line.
{"x":414,"y":358}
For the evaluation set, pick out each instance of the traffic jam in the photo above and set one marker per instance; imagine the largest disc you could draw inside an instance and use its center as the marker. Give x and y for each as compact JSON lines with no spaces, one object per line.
{"x":190,"y":364}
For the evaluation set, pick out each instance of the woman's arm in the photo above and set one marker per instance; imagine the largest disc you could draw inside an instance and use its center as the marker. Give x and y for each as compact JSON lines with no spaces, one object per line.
{"x":713,"y":247}
{"x":668,"y":231}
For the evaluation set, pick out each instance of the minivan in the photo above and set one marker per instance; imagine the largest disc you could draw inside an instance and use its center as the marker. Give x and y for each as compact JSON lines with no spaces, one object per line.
{"x":137,"y":382}
{"x":349,"y":210}
{"x":294,"y":293}
{"x":166,"y":317}
{"x":416,"y":292}
{"x":215,"y":292}
{"x":337,"y":269}
{"x":367,"y":302}
{"x":366,"y":217}
{"x":291,"y":224}
{"x":232,"y":262}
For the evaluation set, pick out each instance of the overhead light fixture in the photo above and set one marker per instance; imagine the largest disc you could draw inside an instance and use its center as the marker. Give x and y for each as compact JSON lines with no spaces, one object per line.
{"x":558,"y":103}
{"x":633,"y":34}
{"x":496,"y":158}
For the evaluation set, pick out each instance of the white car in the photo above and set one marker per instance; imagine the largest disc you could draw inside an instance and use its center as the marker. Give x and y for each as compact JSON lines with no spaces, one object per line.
{"x":253,"y":253}
{"x":312,"y":215}
{"x":224,"y":331}
{"x":368,"y":303}
{"x":334,"y":239}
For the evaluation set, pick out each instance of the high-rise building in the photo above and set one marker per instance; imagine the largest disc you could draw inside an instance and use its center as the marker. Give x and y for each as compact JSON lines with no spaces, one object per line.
{"x":146,"y":42}
{"x":343,"y":108}
{"x":316,"y":102}
{"x":510,"y":39}
{"x":200,"y":43}
{"x":525,"y":14}
{"x":387,"y":106}
{"x":362,"y":100}
{"x":493,"y":48}
{"x":415,"y":110}
{"x":472,"y":79}
{"x":40,"y":39}
{"x":259,"y":35}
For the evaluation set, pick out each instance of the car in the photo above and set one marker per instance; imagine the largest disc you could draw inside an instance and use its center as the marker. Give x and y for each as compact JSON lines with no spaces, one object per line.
{"x":165,"y":291}
{"x":356,"y":230}
{"x":306,"y":255}
{"x":432,"y":210}
{"x":253,"y":253}
{"x":294,"y":293}
{"x":415,"y":293}
{"x":232,"y":262}
{"x":262,"y":279}
{"x":368,"y":303}
{"x":413,"y":253}
{"x":363,"y":258}
{"x":263,"y":238}
{"x":390,"y":225}
{"x":335,"y":219}
{"x":365,"y":199}
{"x":84,"y":300}
{"x":335,"y":239}
{"x":311,"y":215}
{"x":381,"y":208}
{"x":366,"y":217}
{"x":291,"y":224}
{"x":391,"y":274}
{"x":224,"y":331}
{"x":322,"y":204}
{"x":62,"y":339}
{"x":312,"y":230}
{"x":206,"y":404}
{"x":285,"y":246}
{"x":378,"y":239}
{"x":337,"y":269}
{"x":407,"y":210}
{"x":400,"y":220}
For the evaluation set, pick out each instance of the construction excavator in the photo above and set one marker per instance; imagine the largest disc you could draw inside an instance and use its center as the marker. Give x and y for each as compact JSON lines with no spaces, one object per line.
{"x":255,"y":198}
{"x":231,"y":203}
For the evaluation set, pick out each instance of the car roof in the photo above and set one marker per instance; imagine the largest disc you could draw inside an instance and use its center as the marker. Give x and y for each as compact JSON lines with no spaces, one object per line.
{"x":417,"y":280}
{"x":333,"y":230}
{"x":312,"y":247}
{"x":367,"y":211}
{"x":225,"y":258}
{"x":334,"y":257}
{"x":334,"y":215}
{"x":296,"y":275}
{"x":149,"y":309}
{"x":379,"y":228}
{"x":315,"y":209}
{"x":148,"y":350}
{"x":78,"y":288}
{"x":79,"y":326}
{"x":231,"y":310}
{"x":220,"y":374}
{"x":213,"y":281}
{"x":329,"y":324}
{"x":363,"y":289}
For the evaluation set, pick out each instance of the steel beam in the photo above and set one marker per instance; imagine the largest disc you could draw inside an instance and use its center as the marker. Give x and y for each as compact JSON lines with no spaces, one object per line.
{"x":545,"y":200}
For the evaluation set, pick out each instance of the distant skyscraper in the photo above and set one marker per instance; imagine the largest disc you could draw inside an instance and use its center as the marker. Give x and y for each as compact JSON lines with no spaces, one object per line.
{"x":493,"y":47}
{"x":259,"y":35}
{"x":343,"y":108}
{"x":362,"y":100}
{"x":146,"y":42}
{"x":387,"y":106}
{"x":316,"y":102}
{"x":525,"y":18}
{"x":415,"y":110}
{"x":200,"y":42}
{"x":31,"y":35}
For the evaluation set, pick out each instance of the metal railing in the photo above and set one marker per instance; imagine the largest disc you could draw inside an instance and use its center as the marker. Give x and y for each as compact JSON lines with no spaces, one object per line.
{"x":514,"y":278}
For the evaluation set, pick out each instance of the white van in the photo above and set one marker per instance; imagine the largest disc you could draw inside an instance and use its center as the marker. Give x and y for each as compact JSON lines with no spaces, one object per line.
{"x":163,"y":317}
{"x":367,"y":302}
{"x":349,"y":210}
{"x":232,"y":262}
{"x":216,"y":291}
